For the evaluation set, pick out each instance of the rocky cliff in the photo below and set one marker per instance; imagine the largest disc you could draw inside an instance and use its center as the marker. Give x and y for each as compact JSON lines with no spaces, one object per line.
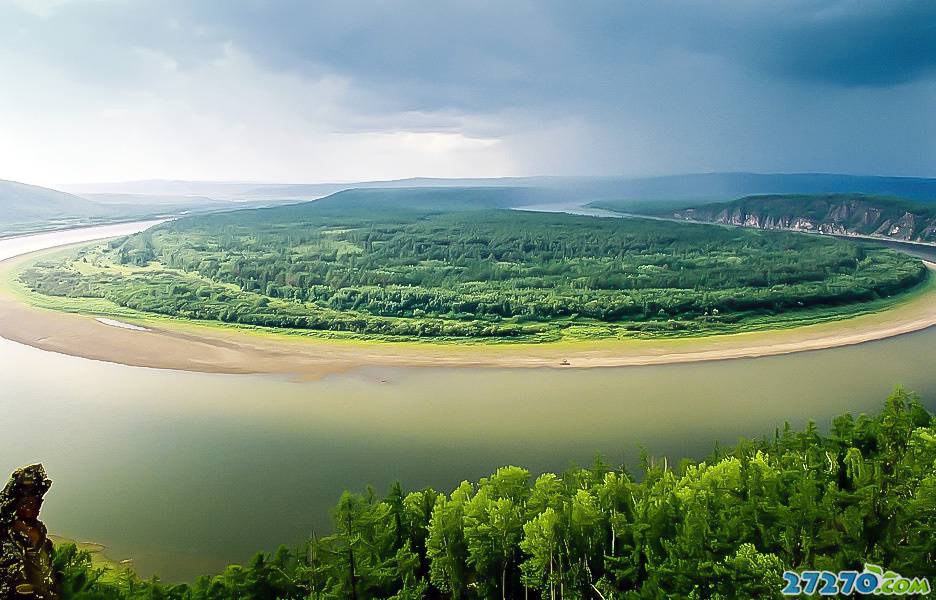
{"x":839,"y":214}
{"x":26,"y":569}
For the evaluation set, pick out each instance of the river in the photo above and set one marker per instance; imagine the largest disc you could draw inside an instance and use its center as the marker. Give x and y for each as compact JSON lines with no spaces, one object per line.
{"x":186,"y":472}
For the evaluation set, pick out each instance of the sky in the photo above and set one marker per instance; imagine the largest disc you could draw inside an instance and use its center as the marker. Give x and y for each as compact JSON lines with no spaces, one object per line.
{"x":297,"y":91}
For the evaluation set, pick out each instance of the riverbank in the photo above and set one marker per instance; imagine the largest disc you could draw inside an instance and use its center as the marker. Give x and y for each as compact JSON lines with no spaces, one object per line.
{"x":165,"y":343}
{"x":98,"y":553}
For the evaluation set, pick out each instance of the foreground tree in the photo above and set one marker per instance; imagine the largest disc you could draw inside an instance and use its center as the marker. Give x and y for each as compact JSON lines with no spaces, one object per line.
{"x":724,"y":527}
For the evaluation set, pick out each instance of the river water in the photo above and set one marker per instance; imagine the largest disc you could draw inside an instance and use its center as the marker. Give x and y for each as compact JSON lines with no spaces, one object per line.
{"x":186,"y":472}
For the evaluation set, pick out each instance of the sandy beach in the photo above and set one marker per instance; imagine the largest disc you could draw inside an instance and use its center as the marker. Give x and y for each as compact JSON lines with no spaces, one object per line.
{"x":189,"y":346}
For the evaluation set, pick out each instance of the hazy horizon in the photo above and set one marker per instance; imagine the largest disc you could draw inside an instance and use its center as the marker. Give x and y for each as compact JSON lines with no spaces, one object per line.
{"x":479,"y":178}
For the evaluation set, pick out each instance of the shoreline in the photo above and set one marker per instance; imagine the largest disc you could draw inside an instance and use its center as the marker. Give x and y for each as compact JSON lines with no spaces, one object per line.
{"x":78,"y":228}
{"x":173,"y":344}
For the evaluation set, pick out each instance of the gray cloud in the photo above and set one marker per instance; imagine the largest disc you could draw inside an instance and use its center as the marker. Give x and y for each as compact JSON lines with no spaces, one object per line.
{"x":602,"y":86}
{"x":497,"y":53}
{"x":494,"y":54}
{"x":844,"y":43}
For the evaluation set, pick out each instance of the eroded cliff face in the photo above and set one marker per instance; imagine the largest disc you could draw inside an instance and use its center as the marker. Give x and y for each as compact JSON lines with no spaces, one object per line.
{"x":884,"y":218}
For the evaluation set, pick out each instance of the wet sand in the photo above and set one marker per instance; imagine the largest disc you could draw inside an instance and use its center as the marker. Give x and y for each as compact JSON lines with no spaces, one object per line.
{"x":189,"y":346}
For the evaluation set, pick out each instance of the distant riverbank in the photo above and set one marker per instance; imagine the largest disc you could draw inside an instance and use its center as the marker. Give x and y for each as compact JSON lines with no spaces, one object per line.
{"x":190,"y":346}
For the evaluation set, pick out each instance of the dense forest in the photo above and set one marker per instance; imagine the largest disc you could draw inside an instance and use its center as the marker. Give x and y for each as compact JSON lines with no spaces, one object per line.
{"x":726,"y":527}
{"x":452,"y":263}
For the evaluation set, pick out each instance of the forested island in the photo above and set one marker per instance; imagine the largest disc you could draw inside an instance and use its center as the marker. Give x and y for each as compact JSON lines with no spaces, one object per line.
{"x":454,"y":264}
{"x":725,"y":527}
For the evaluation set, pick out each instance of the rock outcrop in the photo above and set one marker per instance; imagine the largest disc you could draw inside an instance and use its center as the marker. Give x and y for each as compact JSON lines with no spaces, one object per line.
{"x":835,"y":214}
{"x":26,"y":570}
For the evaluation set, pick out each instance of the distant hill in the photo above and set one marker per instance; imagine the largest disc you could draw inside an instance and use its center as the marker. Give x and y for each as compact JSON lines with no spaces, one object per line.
{"x":692,"y":187}
{"x":154,"y":200}
{"x":20,"y":202}
{"x":247,"y":191}
{"x":27,"y":208}
{"x":216,"y":190}
{"x":30,"y":208}
{"x":839,"y":214}
{"x":728,"y":186}
{"x":423,"y":200}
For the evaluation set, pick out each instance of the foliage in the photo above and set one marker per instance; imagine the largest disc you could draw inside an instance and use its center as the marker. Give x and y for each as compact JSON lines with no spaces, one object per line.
{"x":447,"y":264}
{"x":725,"y":527}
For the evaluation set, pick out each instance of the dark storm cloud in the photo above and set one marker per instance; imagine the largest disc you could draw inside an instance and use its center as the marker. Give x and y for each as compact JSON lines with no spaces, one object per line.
{"x":838,"y":43}
{"x":503,"y":53}
{"x":604,"y":86}
{"x":428,"y":55}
